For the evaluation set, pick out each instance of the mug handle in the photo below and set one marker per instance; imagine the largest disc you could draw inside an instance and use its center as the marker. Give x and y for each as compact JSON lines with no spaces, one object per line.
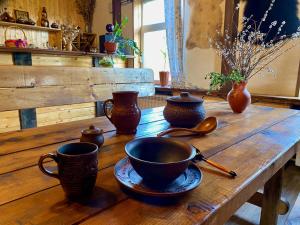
{"x":105,"y":108}
{"x":42,"y":168}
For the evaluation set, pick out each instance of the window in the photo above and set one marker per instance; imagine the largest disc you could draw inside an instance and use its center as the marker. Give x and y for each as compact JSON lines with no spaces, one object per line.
{"x":154,"y":36}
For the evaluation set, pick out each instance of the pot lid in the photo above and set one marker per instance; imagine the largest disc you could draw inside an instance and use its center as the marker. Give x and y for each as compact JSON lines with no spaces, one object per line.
{"x":185,"y":97}
{"x":92,"y":130}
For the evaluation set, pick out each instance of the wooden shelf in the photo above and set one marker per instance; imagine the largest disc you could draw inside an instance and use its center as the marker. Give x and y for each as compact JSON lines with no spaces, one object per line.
{"x":30,"y":27}
{"x":55,"y":52}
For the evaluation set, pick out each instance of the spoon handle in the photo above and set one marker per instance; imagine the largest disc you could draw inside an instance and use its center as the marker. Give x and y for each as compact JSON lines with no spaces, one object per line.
{"x":175,"y":130}
{"x":199,"y":156}
{"x":222,"y":168}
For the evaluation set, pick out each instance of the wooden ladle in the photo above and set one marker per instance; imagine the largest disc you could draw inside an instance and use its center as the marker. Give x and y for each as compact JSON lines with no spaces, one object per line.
{"x":206,"y":126}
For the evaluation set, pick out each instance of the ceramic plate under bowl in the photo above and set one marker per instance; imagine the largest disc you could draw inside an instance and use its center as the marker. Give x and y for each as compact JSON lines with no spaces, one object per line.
{"x":127,"y":177}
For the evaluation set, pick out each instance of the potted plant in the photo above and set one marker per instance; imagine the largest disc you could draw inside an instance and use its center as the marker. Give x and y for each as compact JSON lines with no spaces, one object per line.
{"x":164,"y":75}
{"x":118,"y":43}
{"x":248,"y":54}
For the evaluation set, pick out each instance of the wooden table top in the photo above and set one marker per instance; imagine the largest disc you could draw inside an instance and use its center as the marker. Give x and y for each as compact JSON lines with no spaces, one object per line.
{"x":255,"y":144}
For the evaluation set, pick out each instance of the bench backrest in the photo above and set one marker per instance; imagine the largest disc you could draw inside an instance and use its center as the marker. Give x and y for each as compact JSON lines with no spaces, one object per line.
{"x":23,"y":87}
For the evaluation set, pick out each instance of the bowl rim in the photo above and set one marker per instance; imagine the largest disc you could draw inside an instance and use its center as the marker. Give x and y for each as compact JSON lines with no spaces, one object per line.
{"x":192,"y":155}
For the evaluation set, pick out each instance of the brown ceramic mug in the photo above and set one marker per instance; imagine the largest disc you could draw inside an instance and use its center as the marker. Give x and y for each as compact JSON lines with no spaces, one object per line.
{"x":77,"y":167}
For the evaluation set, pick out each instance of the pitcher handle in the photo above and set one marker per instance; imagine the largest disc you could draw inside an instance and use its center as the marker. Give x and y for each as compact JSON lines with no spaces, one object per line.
{"x":42,"y":168}
{"x":105,"y":108}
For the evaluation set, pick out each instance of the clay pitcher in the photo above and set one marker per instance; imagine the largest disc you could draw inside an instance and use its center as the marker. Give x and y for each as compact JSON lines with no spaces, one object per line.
{"x":239,"y":97}
{"x":125,"y":113}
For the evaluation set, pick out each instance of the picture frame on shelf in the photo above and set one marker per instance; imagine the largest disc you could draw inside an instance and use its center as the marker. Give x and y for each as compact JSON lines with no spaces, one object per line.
{"x":21,"y":15}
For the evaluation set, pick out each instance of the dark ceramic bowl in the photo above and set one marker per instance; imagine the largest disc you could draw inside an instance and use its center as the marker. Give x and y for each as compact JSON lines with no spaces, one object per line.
{"x":159,"y":160}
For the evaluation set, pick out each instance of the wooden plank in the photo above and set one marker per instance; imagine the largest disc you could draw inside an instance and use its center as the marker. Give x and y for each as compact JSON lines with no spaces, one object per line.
{"x":61,"y":95}
{"x":6,"y":59}
{"x":297,"y":155}
{"x":33,"y":138}
{"x":66,"y":115}
{"x":298,"y":83}
{"x":201,"y":205}
{"x":231,"y":22}
{"x":48,"y":60}
{"x":40,"y":51}
{"x":271,"y":199}
{"x":64,"y":107}
{"x":116,"y":10}
{"x":56,"y":76}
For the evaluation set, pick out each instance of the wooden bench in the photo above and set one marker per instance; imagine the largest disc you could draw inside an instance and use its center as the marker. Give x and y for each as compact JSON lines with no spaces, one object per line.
{"x":25,"y":88}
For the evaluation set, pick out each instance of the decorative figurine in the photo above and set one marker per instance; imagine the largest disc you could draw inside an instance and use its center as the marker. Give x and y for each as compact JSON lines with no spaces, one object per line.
{"x":44,"y":20}
{"x":6,"y":17}
{"x":54,"y":25}
{"x":110,"y":28}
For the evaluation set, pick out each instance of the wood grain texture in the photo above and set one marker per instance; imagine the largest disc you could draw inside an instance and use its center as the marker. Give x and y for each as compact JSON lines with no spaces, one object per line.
{"x":263,"y":153}
{"x":63,"y":11}
{"x":6,"y":59}
{"x":32,"y":87}
{"x":46,"y":60}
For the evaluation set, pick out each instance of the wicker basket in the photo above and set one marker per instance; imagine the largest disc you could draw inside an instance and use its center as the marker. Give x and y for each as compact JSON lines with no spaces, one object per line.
{"x":19,"y":43}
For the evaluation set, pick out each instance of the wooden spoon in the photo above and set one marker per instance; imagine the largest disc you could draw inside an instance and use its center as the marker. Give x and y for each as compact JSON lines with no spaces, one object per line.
{"x":206,"y":126}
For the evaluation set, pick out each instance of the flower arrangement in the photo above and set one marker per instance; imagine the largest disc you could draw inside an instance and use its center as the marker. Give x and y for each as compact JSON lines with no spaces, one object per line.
{"x":69,"y":34}
{"x":251,"y":51}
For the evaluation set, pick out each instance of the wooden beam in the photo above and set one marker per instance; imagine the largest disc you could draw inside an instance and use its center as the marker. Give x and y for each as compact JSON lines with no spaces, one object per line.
{"x":298,"y":82}
{"x":137,"y":25}
{"x":271,"y":199}
{"x":257,"y":199}
{"x":116,"y":7}
{"x":231,"y":22}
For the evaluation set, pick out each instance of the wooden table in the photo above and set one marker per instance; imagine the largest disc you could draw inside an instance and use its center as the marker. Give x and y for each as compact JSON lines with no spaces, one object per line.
{"x":255,"y":144}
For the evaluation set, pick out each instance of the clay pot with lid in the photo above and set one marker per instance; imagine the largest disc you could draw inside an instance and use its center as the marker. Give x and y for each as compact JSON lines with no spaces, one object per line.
{"x":92,"y":135}
{"x":184,"y":110}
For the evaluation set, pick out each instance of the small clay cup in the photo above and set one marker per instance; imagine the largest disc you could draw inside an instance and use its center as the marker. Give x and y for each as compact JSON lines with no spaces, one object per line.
{"x":77,"y":167}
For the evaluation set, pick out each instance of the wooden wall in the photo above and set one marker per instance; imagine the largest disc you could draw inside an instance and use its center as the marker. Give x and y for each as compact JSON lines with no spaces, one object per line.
{"x":64,"y":12}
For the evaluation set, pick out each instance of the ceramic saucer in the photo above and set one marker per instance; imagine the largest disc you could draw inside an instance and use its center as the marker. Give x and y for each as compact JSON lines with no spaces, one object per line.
{"x":128,"y":178}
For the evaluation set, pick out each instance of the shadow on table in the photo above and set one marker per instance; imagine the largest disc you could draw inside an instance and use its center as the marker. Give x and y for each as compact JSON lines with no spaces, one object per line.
{"x":100,"y":198}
